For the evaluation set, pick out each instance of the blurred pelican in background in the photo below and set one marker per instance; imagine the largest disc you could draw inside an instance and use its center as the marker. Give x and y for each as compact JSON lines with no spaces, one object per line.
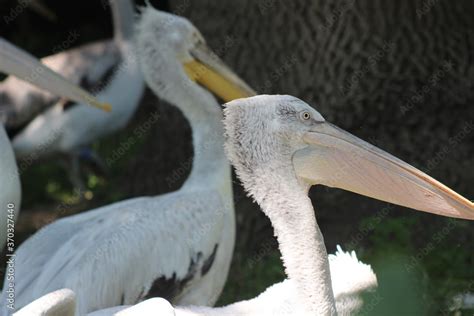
{"x":89,"y":66}
{"x":75,"y":124}
{"x":17,"y":62}
{"x":178,"y":245}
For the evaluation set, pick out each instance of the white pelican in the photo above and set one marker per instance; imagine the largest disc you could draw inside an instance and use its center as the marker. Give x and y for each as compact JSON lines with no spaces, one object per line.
{"x":58,"y":303}
{"x":280,"y":147}
{"x":462,"y":301}
{"x":63,"y":302}
{"x":77,"y":125}
{"x":178,"y":245}
{"x":10,"y":189}
{"x":16,"y":62}
{"x":88,"y":65}
{"x":278,"y":299}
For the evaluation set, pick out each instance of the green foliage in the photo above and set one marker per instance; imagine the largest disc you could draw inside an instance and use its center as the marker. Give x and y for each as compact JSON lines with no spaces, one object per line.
{"x":425,"y":260}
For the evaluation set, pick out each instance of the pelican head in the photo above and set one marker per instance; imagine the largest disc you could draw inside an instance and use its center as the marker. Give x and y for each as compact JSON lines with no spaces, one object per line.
{"x":282,"y":137}
{"x":172,"y":49}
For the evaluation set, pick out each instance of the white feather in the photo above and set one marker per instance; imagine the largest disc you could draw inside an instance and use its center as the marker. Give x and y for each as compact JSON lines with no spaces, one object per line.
{"x":57,"y":303}
{"x":112,"y":255}
{"x":10,"y":189}
{"x":350,"y":279}
{"x":60,"y":130}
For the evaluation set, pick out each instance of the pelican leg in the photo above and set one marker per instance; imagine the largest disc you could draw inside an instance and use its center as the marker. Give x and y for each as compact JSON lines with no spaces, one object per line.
{"x":94,"y":161}
{"x":75,"y":175}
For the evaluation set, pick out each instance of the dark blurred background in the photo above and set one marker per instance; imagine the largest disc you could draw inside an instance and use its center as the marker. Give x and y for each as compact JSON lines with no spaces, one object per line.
{"x":399,"y":74}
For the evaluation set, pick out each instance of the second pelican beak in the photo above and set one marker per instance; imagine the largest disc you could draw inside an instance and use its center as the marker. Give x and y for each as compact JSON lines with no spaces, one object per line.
{"x":337,"y":158}
{"x":210,"y":71}
{"x":16,"y":62}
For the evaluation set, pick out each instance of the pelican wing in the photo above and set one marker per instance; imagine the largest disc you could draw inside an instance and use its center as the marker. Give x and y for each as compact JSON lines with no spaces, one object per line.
{"x":10,"y":189}
{"x":127,"y":251}
{"x":350,"y":278}
{"x":36,"y":252}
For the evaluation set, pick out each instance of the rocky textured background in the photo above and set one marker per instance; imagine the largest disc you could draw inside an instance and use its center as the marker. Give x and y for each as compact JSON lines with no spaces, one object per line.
{"x":399,"y":74}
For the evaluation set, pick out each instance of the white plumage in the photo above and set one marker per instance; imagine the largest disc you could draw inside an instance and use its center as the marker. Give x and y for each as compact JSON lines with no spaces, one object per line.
{"x":178,"y":245}
{"x":86,"y":65}
{"x":350,"y":279}
{"x":58,"y":303}
{"x":10,"y":189}
{"x":280,"y":146}
{"x":65,"y":130}
{"x":19,"y":63}
{"x":112,"y":255}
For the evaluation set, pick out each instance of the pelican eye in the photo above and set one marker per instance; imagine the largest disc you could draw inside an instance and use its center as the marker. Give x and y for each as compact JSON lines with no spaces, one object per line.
{"x":305,"y":115}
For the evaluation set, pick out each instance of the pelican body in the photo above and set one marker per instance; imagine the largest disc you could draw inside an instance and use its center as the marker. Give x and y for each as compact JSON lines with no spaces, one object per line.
{"x":77,"y":125}
{"x":26,"y":67}
{"x":177,"y":245}
{"x":10,"y":188}
{"x":89,"y":66}
{"x":278,"y":299}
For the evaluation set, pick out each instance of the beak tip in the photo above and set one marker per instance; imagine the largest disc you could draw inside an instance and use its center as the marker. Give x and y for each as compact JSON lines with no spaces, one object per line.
{"x":107,"y":107}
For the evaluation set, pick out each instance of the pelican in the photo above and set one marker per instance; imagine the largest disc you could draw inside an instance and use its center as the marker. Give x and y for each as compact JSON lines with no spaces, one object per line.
{"x":19,"y":63}
{"x":462,"y":301}
{"x":178,"y":245}
{"x":89,"y":65}
{"x":280,"y":147}
{"x":58,"y":303}
{"x":77,"y":125}
{"x":62,"y":303}
{"x":278,"y":299}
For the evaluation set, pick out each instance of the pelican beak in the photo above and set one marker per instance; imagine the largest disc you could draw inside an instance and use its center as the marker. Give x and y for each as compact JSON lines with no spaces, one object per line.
{"x":336,"y":158}
{"x":207,"y":69}
{"x":19,"y":63}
